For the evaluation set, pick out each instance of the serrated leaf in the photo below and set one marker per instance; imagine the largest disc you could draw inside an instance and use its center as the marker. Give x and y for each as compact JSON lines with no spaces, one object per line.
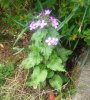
{"x":46,"y":51}
{"x":39,"y":35}
{"x":55,"y":64}
{"x":33,"y":59}
{"x":37,"y":77}
{"x":43,"y":48}
{"x":50,"y":73}
{"x":56,"y":82}
{"x":64,"y":53}
{"x":53,"y":33}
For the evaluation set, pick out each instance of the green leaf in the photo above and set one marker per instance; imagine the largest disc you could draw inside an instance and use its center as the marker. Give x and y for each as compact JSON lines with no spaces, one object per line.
{"x":39,"y":35}
{"x":63,"y":53}
{"x":36,"y":71}
{"x":64,"y":77}
{"x":43,"y":48}
{"x":33,"y":59}
{"x":43,"y":75}
{"x":86,"y":36}
{"x":46,"y":51}
{"x":53,"y":33}
{"x":37,"y":77}
{"x":55,"y":63}
{"x":50,"y":73}
{"x":56,"y":82}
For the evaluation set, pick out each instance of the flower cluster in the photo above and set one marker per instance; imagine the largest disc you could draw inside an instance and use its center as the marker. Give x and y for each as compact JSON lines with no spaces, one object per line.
{"x":44,"y":13}
{"x":37,"y":24}
{"x":54,"y":22}
{"x":52,"y":41}
{"x":41,"y":23}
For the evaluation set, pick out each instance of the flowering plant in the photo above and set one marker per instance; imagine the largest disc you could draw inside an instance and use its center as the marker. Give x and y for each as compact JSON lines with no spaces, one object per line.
{"x":46,"y":58}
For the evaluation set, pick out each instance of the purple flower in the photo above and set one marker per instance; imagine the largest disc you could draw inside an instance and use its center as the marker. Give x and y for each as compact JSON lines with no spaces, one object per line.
{"x":54,"y":41}
{"x":43,"y":24}
{"x":32,"y":26}
{"x":47,"y":12}
{"x":51,"y":41}
{"x":37,"y":24}
{"x":48,"y":41}
{"x":54,"y":22}
{"x":44,"y":13}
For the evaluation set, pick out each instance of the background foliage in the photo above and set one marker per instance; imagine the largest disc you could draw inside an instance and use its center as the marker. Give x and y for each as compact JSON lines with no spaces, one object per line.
{"x":18,"y":13}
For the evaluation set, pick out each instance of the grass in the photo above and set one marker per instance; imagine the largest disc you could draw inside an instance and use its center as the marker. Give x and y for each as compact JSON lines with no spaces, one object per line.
{"x":15,"y":88}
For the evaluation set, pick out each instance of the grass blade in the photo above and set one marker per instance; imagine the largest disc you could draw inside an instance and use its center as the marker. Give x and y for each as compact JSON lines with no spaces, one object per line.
{"x":68,"y":18}
{"x":40,"y":4}
{"x":20,"y":35}
{"x":18,"y":23}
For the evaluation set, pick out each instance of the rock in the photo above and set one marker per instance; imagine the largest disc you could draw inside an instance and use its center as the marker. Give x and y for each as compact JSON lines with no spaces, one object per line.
{"x":83,"y":86}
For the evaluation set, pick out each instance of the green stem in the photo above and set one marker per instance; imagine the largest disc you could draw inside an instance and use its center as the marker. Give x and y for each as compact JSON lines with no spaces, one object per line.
{"x":76,"y":44}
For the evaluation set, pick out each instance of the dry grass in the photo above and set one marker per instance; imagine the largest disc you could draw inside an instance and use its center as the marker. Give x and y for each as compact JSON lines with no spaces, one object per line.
{"x":16,"y":89}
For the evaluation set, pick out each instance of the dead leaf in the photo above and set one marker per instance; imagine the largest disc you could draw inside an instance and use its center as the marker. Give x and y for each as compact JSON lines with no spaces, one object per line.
{"x":1,"y":46}
{"x":74,"y":37}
